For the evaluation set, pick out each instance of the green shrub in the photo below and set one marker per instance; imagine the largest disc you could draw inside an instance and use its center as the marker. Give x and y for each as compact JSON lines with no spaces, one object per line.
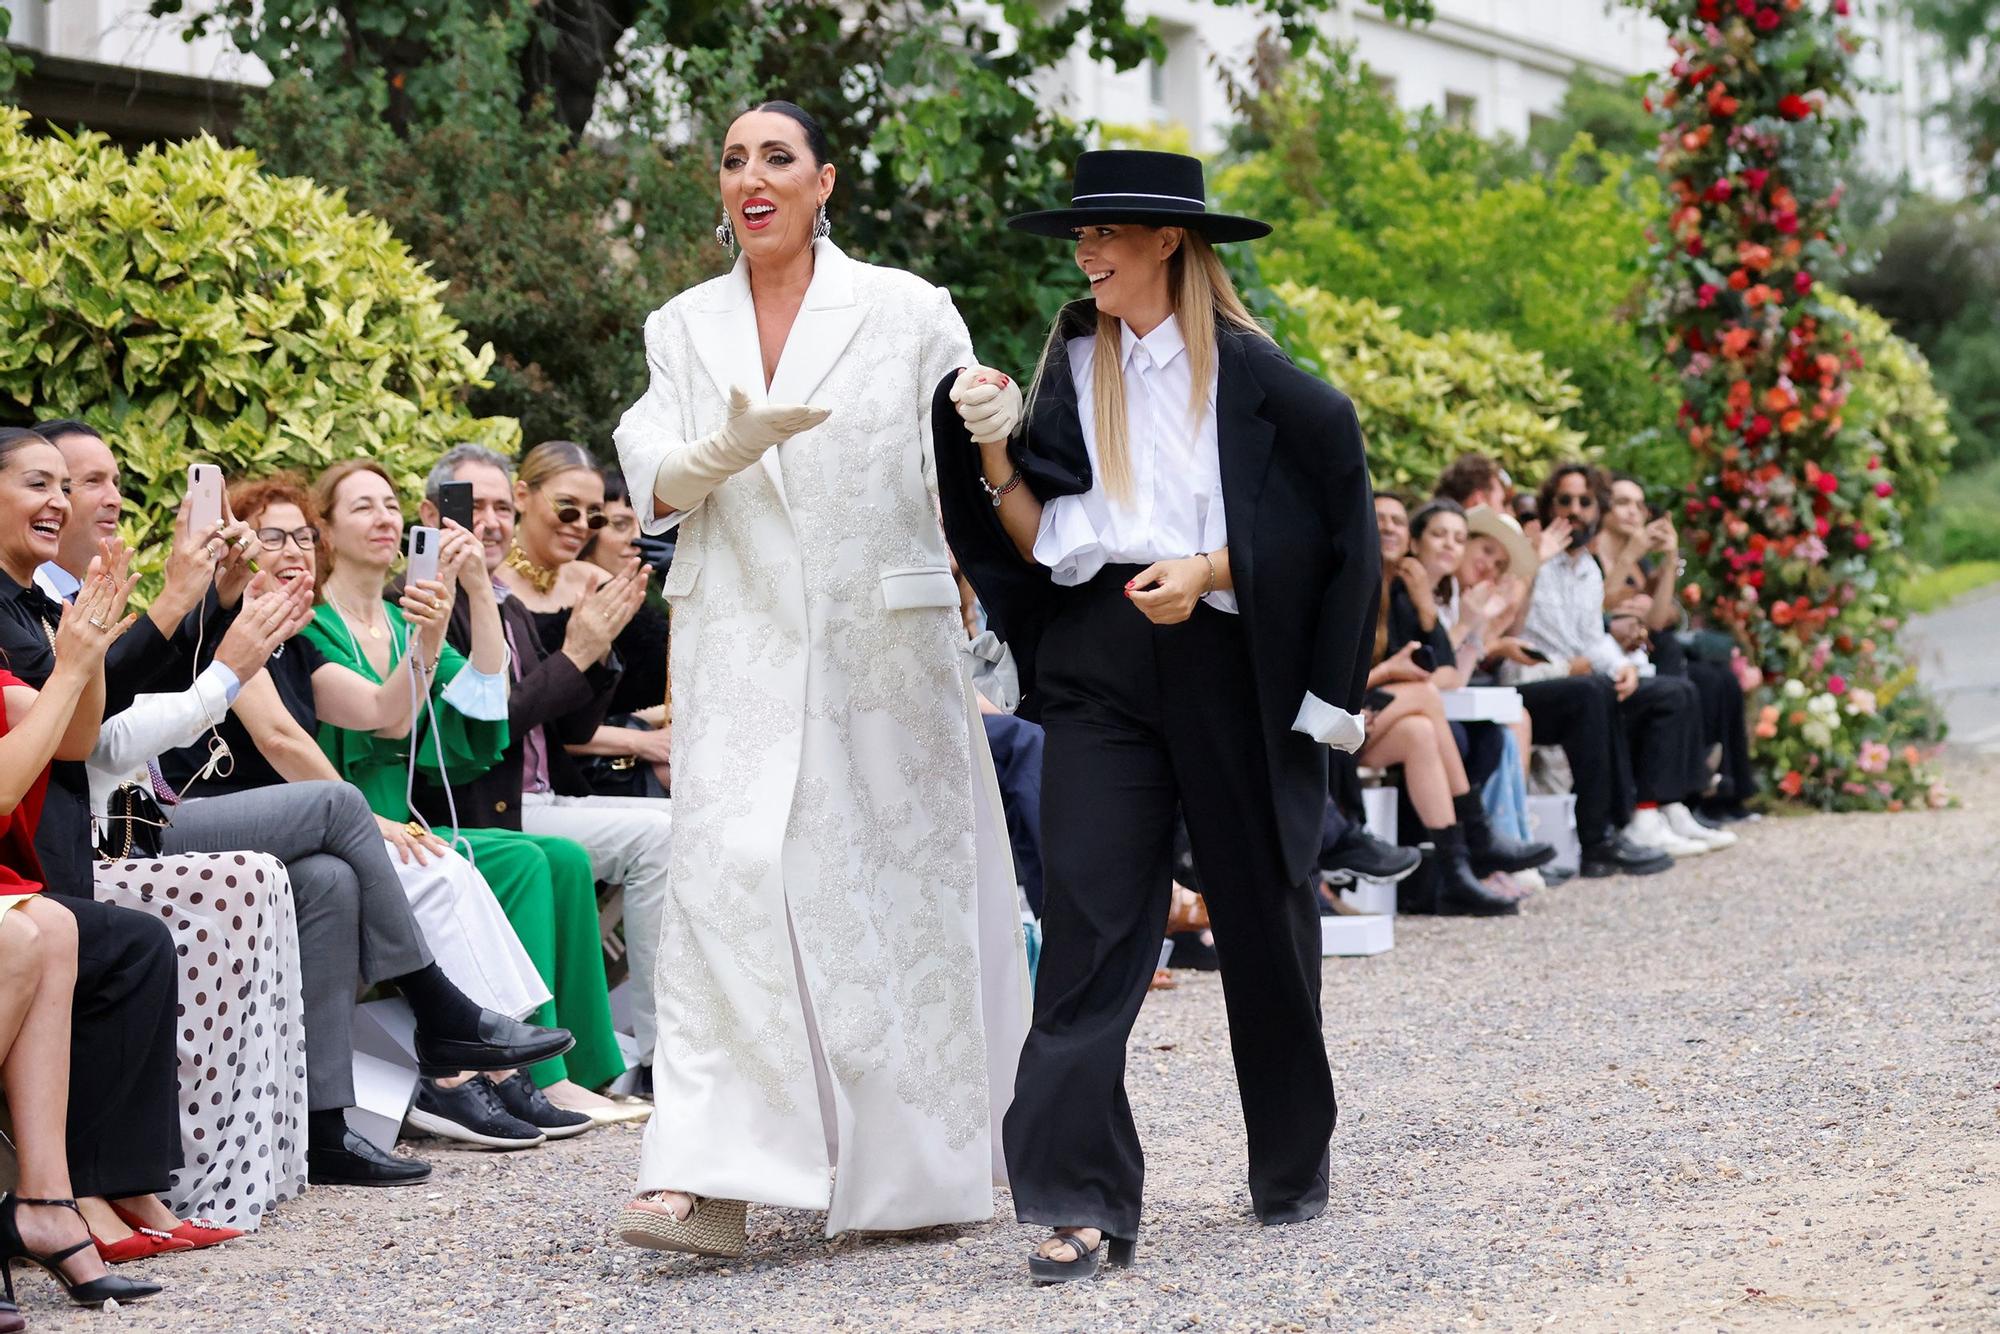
{"x":192,"y":308}
{"x":1425,"y":399}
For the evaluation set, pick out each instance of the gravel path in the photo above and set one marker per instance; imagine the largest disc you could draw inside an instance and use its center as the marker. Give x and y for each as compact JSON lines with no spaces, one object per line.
{"x":1760,"y":1092}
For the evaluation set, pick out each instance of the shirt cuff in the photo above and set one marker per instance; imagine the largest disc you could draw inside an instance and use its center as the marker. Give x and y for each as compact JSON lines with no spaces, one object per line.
{"x":1328,"y":725}
{"x":225,"y":678}
{"x":475,"y":694}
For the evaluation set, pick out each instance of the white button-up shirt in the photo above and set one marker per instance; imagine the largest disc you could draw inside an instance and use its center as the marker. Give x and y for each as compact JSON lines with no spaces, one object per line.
{"x":1566,"y":613}
{"x":1175,"y":507}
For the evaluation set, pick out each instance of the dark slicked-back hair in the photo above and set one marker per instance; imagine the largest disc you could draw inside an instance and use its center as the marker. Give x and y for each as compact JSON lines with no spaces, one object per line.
{"x":815,"y":136}
{"x":57,"y":427}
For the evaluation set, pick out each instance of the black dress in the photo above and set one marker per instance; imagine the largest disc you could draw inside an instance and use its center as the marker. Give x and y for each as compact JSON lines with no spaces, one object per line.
{"x":291,"y":667}
{"x":124,"y":1131}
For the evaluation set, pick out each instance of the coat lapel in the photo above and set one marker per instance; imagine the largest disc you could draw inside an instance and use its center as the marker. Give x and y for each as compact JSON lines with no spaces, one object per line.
{"x":825,"y":325}
{"x":725,"y":335}
{"x":1244,"y":440}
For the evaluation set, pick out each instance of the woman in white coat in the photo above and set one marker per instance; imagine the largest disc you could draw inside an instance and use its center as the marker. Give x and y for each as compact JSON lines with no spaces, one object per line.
{"x":841,"y":988}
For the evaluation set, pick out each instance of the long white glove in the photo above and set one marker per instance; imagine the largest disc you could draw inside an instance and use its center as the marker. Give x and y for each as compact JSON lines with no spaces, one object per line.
{"x":687,"y":475}
{"x":989,"y":402}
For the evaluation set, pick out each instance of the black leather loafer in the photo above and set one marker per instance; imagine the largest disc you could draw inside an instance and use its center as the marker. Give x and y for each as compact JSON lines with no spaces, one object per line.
{"x":358,"y":1163}
{"x":501,"y":1044}
{"x":1621,"y":856}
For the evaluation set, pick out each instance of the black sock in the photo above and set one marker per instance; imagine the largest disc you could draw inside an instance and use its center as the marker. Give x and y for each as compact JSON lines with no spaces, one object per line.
{"x":441,"y":1008}
{"x":327,"y":1129}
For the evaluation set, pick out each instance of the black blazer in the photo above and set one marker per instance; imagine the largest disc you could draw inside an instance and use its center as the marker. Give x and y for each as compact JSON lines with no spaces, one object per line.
{"x":1302,"y":546}
{"x":550,"y":693}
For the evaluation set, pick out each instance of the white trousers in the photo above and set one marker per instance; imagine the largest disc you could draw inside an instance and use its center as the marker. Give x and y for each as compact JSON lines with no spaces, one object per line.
{"x":628,"y":839}
{"x":469,"y":934}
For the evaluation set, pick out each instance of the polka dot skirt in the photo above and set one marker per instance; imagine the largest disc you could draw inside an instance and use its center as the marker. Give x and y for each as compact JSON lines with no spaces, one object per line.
{"x":241,"y":1030}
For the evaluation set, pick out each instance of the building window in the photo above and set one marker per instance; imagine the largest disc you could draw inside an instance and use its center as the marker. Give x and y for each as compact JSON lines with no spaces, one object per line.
{"x":1461,"y":109}
{"x":1156,"y":83}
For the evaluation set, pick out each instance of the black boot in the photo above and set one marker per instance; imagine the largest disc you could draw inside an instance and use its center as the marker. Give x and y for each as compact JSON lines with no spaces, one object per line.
{"x":1417,"y":892}
{"x":1492,"y":852}
{"x":1459,"y":892}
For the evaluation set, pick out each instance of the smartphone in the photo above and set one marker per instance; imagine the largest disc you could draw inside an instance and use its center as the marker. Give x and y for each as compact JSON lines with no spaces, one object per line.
{"x":455,"y":504}
{"x":204,"y":497}
{"x":1424,"y":658}
{"x":424,"y":543}
{"x":1534,"y":654}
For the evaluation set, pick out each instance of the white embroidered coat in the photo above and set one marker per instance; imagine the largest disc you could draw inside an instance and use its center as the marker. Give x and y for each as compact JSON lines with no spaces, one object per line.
{"x":840,"y":978}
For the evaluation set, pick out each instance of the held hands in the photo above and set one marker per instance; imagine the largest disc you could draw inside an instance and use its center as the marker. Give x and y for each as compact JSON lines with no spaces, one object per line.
{"x":93,"y":622}
{"x":989,"y":403}
{"x":272,"y":613}
{"x":1168,"y":590}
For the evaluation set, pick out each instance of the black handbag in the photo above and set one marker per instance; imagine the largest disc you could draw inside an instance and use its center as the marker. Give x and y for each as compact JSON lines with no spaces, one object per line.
{"x":620,"y":775}
{"x":133,"y":824}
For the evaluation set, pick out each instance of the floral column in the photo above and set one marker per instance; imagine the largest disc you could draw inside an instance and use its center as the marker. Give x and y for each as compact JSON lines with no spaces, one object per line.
{"x":1791,"y":519}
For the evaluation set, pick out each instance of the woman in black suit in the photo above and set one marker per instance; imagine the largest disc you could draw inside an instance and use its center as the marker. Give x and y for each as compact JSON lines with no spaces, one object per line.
{"x":1180,"y":549}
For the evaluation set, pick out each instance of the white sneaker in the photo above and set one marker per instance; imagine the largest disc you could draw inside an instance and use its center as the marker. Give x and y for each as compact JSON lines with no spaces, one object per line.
{"x":1649,"y":829}
{"x":1530,"y":881}
{"x":1681,"y":820}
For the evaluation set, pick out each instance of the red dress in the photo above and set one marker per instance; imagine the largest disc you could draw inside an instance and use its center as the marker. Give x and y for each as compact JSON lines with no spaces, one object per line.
{"x":20,"y":868}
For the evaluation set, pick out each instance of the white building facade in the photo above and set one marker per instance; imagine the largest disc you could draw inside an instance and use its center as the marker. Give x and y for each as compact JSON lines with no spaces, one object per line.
{"x":1495,"y":65}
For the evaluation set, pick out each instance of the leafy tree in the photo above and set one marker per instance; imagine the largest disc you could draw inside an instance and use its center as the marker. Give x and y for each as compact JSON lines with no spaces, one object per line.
{"x":1371,"y":201}
{"x":191,"y":306}
{"x":1608,"y":112}
{"x":555,"y":161}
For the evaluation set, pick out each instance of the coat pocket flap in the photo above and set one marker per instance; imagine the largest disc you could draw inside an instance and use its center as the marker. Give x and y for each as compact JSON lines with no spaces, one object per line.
{"x":919,"y":586}
{"x":680,"y":577}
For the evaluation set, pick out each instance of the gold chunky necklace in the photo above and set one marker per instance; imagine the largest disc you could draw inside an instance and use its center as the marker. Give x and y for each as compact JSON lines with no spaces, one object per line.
{"x":542,"y":577}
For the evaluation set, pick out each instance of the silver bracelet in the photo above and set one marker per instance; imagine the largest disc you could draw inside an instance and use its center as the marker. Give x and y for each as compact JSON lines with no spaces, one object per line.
{"x":998,"y":493}
{"x":1211,"y":572}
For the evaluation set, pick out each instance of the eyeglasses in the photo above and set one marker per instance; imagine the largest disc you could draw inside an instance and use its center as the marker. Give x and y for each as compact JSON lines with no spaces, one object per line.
{"x":273,"y":539}
{"x":1586,"y":501}
{"x":568,"y":511}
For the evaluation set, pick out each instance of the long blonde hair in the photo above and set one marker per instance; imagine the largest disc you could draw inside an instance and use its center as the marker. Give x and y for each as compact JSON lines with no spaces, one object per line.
{"x":1203,"y":297}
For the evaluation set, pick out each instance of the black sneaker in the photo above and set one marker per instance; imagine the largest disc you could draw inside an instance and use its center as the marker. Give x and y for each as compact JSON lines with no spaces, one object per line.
{"x":1360,"y":853}
{"x":520,"y":1097}
{"x":470,"y":1113}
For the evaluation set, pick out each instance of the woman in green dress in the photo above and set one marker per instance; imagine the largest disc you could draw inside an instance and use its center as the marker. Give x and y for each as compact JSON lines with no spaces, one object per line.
{"x":544,"y":884}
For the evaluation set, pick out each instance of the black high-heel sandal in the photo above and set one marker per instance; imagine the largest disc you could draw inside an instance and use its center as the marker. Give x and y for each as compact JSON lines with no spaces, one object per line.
{"x":91,"y":1293}
{"x":1114,"y":1251}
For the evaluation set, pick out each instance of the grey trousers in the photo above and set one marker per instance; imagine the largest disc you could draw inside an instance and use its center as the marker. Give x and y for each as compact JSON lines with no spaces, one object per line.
{"x":355,"y":926}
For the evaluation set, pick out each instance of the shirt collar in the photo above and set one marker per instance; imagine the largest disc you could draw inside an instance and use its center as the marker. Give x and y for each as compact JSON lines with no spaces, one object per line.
{"x":57,"y":582}
{"x":1162,"y":345}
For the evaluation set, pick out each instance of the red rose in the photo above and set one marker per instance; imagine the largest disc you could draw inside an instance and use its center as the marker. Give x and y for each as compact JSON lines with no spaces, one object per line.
{"x":1862,"y":541}
{"x":1828,"y":483}
{"x":1754,"y":177}
{"x":1704,"y":297}
{"x":1793,"y":107}
{"x":1836,"y":685}
{"x":1786,"y":222}
{"x":1767,"y":19}
{"x":1822,"y":527}
{"x":1802,"y":282}
{"x":1718,"y":192}
{"x":1840,"y":7}
{"x":1694,"y":247}
{"x":1884,"y":490}
{"x":1874,"y":462}
{"x":1746,"y":7}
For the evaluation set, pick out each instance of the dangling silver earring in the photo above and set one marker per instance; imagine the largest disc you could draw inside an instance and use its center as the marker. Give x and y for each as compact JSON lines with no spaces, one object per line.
{"x":822,"y":225}
{"x":725,"y":235}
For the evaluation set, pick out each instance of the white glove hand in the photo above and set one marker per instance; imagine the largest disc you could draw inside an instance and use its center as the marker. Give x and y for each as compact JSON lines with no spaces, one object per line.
{"x":687,"y":475}
{"x":989,"y":402}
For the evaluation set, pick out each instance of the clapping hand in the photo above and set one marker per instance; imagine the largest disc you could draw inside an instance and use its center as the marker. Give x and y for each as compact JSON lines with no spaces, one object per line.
{"x":272,"y":613}
{"x":602,"y":616}
{"x":93,"y":622}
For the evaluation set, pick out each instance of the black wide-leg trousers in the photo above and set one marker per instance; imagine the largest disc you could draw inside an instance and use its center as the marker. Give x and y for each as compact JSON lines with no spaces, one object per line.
{"x":1142,"y":720}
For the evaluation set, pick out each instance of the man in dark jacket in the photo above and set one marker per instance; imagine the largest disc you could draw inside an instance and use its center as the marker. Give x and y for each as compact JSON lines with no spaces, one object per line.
{"x":558,"y":699}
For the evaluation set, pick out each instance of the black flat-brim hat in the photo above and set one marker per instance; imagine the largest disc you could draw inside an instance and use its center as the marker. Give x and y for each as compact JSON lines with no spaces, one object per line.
{"x":1134,"y":185}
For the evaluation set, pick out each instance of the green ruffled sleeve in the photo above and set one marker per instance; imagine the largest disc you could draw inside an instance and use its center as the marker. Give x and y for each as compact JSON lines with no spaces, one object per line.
{"x":378,"y":765}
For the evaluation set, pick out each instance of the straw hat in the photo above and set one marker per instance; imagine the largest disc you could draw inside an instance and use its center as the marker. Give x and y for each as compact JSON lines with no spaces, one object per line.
{"x":1485,"y":521}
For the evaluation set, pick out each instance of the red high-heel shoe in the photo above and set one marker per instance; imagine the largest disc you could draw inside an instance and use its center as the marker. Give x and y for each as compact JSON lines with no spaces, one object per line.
{"x":143,"y":1244}
{"x":196,"y":1232}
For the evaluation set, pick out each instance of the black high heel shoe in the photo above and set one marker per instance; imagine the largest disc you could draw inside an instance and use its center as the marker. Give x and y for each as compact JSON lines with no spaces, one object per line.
{"x":92,"y":1293}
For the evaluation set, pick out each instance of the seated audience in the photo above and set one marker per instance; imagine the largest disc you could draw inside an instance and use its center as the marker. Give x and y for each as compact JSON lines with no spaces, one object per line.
{"x":372,"y":649}
{"x":354,"y":925}
{"x":268,"y":734}
{"x":1406,"y":726}
{"x":1579,"y":713}
{"x":560,"y":632}
{"x":1640,"y":553}
{"x":639,"y":700}
{"x":1661,"y":714}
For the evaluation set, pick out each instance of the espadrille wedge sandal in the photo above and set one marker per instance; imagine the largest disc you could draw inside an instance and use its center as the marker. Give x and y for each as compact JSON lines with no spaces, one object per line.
{"x":712,"y":1227}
